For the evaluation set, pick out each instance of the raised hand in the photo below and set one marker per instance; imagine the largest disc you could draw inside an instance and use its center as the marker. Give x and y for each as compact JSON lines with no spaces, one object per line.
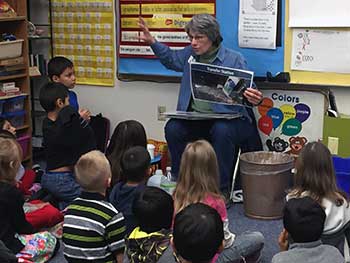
{"x":146,"y":36}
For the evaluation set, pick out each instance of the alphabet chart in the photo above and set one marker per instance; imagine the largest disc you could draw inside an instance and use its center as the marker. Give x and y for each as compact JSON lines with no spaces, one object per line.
{"x":83,"y":31}
{"x":288,"y":119}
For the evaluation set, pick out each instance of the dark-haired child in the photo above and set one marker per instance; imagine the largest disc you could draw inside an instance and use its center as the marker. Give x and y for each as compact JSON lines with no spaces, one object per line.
{"x":61,"y":70}
{"x":126,"y":134}
{"x":198,"y":234}
{"x":315,"y":177}
{"x":65,"y":139}
{"x":136,"y":168}
{"x":150,"y":241}
{"x":303,"y":222}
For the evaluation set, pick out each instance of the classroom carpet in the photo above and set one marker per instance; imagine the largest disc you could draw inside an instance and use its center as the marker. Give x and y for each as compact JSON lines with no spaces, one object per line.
{"x":239,"y":223}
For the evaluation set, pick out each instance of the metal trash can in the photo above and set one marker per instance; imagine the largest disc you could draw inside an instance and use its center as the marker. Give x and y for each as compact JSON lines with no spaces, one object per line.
{"x":265,"y":178}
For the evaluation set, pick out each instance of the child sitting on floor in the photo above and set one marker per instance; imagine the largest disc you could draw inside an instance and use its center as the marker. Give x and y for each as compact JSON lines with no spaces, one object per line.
{"x":136,"y":169}
{"x":198,"y":234}
{"x":126,"y":135}
{"x":303,"y":221}
{"x":65,"y":139}
{"x":315,"y":177}
{"x":25,"y":178}
{"x":150,"y":241}
{"x":16,"y":232}
{"x":93,"y":230}
{"x":199,"y":182}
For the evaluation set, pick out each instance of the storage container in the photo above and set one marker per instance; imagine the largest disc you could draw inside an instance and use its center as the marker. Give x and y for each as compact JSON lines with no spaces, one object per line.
{"x":14,"y":104}
{"x":15,"y":118}
{"x":266,"y":176}
{"x":11,"y":49}
{"x":342,"y":173}
{"x":24,"y":142}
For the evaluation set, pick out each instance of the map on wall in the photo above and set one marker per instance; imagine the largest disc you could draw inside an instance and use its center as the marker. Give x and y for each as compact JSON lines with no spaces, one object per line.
{"x":287,"y":120}
{"x":166,"y":21}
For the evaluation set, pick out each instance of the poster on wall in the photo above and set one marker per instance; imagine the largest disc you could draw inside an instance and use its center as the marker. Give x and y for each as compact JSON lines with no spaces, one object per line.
{"x":288,"y":119}
{"x":165,"y":19}
{"x":257,"y":24}
{"x":83,"y":31}
{"x":308,"y":50}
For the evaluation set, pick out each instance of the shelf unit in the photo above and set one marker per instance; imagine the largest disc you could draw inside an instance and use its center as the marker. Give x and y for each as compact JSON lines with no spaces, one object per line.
{"x":18,"y":27}
{"x":39,"y":13}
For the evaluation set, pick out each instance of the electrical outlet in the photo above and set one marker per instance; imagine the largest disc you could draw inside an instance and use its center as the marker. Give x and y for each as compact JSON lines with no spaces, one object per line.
{"x":160,"y":112}
{"x":333,"y":143}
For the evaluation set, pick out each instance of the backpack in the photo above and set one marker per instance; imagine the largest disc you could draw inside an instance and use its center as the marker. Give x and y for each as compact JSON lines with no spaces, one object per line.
{"x":101,"y":127}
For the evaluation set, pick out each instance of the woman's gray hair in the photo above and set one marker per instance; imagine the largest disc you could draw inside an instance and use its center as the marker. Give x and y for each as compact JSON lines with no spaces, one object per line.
{"x":207,"y":25}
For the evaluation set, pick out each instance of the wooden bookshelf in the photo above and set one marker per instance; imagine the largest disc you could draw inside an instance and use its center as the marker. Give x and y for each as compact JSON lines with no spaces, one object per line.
{"x":18,"y":26}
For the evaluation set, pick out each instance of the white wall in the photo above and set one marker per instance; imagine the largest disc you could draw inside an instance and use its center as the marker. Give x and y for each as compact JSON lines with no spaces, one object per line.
{"x":139,"y":100}
{"x":131,"y":100}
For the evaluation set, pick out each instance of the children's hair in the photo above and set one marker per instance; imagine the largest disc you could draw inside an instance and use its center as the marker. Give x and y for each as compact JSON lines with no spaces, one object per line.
{"x":50,"y":93}
{"x":57,"y":65}
{"x":198,"y":175}
{"x":127,"y":134}
{"x":10,"y":159}
{"x":135,"y":163}
{"x":304,"y":218}
{"x":315,"y":175}
{"x":198,"y":233}
{"x":153,"y":208}
{"x":92,"y":171}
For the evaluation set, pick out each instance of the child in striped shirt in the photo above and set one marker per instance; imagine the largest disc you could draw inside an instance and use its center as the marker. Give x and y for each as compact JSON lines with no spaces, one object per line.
{"x":93,"y":230}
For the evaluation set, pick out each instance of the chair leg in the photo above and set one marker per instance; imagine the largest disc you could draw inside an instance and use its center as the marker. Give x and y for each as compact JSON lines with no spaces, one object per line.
{"x":235,"y":175}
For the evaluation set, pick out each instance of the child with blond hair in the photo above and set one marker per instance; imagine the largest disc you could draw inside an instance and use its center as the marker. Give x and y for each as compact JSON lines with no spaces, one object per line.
{"x":16,"y":232}
{"x":93,"y":230}
{"x":199,"y":182}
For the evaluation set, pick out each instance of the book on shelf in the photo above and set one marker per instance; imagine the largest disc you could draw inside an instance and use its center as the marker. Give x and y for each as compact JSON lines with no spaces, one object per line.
{"x":14,"y":91}
{"x":5,"y":86}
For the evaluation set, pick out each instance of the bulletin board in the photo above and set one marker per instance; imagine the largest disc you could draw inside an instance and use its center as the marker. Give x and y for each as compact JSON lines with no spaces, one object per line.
{"x":309,"y":77}
{"x":83,"y":31}
{"x":226,"y":11}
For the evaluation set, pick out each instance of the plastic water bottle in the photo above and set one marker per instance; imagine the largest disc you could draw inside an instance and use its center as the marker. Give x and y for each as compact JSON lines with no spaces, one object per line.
{"x":166,"y":184}
{"x":155,"y":180}
{"x":168,"y":173}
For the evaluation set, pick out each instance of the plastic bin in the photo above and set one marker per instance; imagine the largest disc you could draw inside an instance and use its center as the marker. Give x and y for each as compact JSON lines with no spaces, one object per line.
{"x":24,"y":142}
{"x":342,"y":173}
{"x":15,"y":118}
{"x":11,"y":49}
{"x":14,"y":104}
{"x":265,"y":178}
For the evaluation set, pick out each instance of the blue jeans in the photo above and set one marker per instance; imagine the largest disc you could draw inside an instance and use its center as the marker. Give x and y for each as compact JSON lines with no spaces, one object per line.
{"x":61,"y":185}
{"x":246,"y":246}
{"x":224,"y":135}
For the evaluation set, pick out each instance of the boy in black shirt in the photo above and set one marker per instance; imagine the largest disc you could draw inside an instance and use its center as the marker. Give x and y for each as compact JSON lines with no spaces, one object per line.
{"x":66,"y":138}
